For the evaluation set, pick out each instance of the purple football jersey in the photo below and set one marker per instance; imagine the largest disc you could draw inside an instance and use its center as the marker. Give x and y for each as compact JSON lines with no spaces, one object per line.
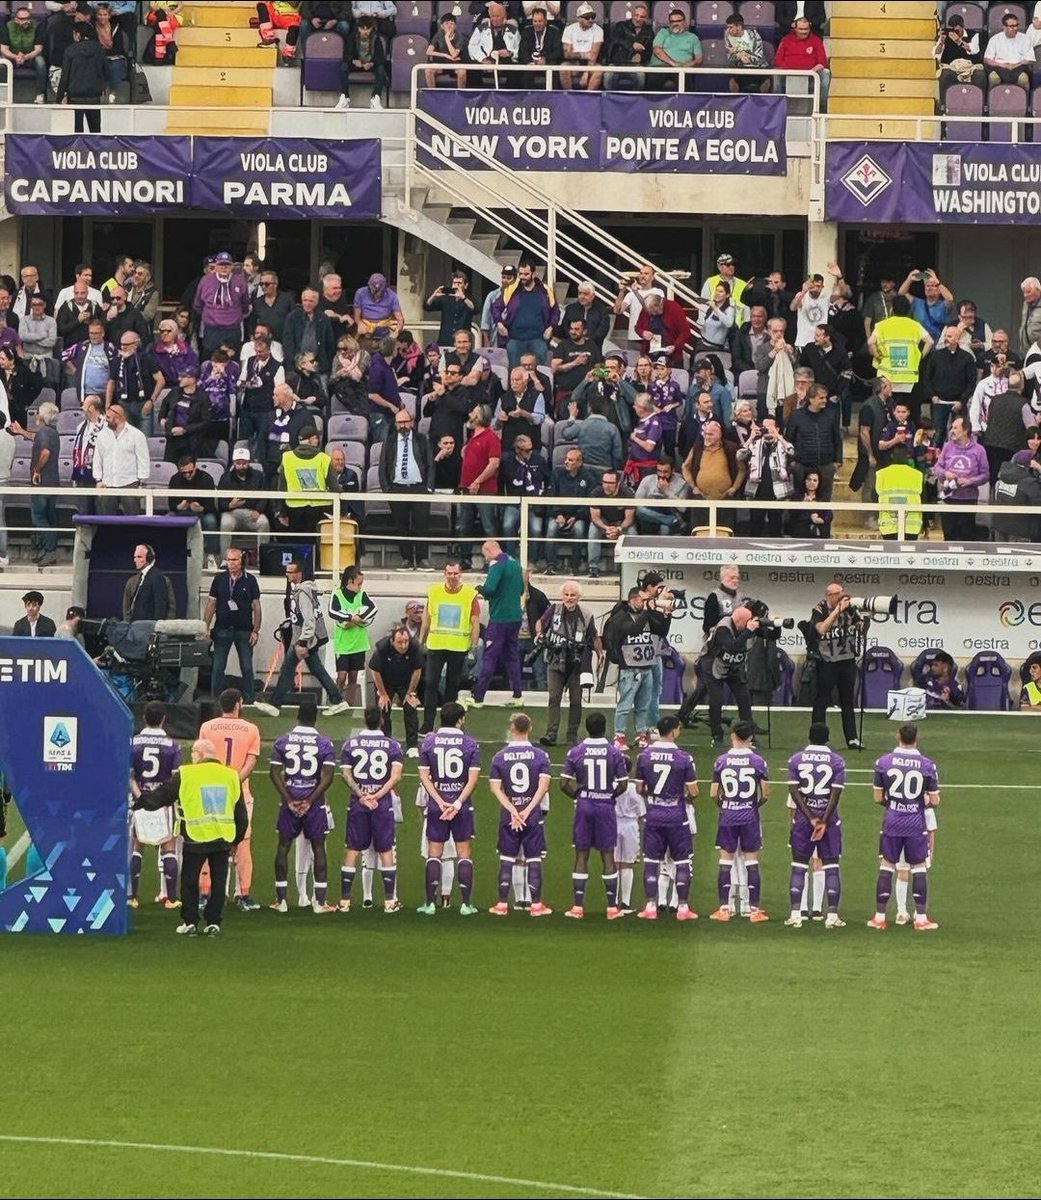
{"x":905,"y":776}
{"x":517,"y":766}
{"x":449,"y":755}
{"x":739,"y":773}
{"x":302,"y":753}
{"x":665,"y":770}
{"x":815,"y":771}
{"x":154,"y":756}
{"x":370,"y":756}
{"x":596,"y":765}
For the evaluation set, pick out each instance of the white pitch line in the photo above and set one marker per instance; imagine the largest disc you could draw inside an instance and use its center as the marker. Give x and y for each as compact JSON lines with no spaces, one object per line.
{"x":353,"y":1163}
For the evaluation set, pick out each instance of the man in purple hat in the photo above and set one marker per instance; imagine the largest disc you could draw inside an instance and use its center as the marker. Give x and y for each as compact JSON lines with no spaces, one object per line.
{"x":377,"y":309}
{"x":222,"y":304}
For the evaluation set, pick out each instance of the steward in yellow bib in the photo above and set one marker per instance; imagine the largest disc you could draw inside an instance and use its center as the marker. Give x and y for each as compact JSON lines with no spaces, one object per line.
{"x":450,"y":631}
{"x":897,"y":344}
{"x":304,"y":473}
{"x":211,"y":817}
{"x":899,"y":484}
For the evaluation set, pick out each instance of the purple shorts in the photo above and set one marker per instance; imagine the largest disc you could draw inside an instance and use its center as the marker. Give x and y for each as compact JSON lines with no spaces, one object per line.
{"x":828,"y":849}
{"x":461,"y":826}
{"x":596,"y":826}
{"x":370,"y":827}
{"x":314,"y":824}
{"x":530,"y":841}
{"x":914,"y":847}
{"x":676,"y":839}
{"x":747,"y":838}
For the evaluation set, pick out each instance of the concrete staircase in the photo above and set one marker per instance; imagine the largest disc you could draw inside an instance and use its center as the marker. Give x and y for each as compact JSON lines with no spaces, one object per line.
{"x":220,"y":65}
{"x":882,"y":67}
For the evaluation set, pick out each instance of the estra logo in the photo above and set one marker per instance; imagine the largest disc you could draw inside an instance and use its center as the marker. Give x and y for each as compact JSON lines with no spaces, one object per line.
{"x":1013,"y":613}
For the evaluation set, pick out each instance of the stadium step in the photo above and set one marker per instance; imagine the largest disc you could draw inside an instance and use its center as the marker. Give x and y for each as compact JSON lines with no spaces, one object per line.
{"x":879,"y":129}
{"x":237,"y":57}
{"x":870,"y":28}
{"x":224,"y":76}
{"x":912,"y":88}
{"x":861,"y":67}
{"x":886,"y":10}
{"x":884,"y":46}
{"x":239,"y":35}
{"x":241,"y":122}
{"x":219,"y":16}
{"x":233,"y":97}
{"x":887,"y":106}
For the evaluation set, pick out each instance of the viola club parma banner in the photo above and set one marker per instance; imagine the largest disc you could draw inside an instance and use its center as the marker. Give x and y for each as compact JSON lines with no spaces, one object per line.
{"x":252,"y":177}
{"x":950,"y":183}
{"x":610,"y":131}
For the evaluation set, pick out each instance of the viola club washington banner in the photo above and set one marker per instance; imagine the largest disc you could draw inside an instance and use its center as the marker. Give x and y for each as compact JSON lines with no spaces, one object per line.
{"x":611,"y":131}
{"x":950,"y":183}
{"x":93,"y":175}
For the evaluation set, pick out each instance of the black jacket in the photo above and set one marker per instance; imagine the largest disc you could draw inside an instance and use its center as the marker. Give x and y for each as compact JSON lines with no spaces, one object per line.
{"x":198,"y":437}
{"x":951,"y":375}
{"x":552,"y":46}
{"x":82,"y":72}
{"x":249,"y":489}
{"x":598,"y":319}
{"x":620,"y":48}
{"x":148,"y":599}
{"x":815,"y":436}
{"x":23,"y":387}
{"x":45,"y":627}
{"x":390,"y":455}
{"x":784,"y":15}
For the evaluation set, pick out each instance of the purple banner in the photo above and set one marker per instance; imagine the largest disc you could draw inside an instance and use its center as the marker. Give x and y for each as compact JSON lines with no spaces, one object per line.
{"x":89,"y":175}
{"x":933,"y":183}
{"x":590,"y":131}
{"x":287,"y":177}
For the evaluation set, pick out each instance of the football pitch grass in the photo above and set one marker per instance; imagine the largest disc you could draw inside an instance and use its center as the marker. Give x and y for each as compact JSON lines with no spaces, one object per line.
{"x":399,"y":1055}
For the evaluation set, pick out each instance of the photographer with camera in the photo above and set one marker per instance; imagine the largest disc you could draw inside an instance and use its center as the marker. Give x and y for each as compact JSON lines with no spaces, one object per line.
{"x":632,"y":634}
{"x":567,"y":636}
{"x":767,"y":458}
{"x":727,"y":652}
{"x":838,"y":628}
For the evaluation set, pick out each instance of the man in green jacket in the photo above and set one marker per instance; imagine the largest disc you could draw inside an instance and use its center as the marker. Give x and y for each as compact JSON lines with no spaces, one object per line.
{"x":504,"y":591}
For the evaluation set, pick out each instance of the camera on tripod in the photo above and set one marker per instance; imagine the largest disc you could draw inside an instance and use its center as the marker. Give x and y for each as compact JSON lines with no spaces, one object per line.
{"x":769,"y":629}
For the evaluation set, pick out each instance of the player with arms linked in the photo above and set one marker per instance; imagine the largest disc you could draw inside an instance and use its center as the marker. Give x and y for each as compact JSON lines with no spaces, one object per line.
{"x":740,"y":787}
{"x":816,"y":777}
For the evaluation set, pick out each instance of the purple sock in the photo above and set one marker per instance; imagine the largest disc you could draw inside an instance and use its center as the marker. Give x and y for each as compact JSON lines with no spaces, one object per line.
{"x":796,"y":883}
{"x":347,"y":881}
{"x":833,"y":886}
{"x":724,"y":883}
{"x":535,"y":880}
{"x":578,"y":886}
{"x":505,"y":878}
{"x":433,"y":879}
{"x":650,"y":880}
{"x":465,"y":874}
{"x":389,"y":875}
{"x":135,"y":876}
{"x":611,"y":887}
{"x":170,"y":874}
{"x":920,"y":891}
{"x":754,"y":884}
{"x":281,"y":890}
{"x":883,"y":889}
{"x":320,"y":891}
{"x":683,"y":882}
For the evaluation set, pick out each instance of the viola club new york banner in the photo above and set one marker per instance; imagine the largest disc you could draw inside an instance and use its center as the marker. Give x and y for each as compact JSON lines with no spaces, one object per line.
{"x":959,"y":183}
{"x":610,"y":131}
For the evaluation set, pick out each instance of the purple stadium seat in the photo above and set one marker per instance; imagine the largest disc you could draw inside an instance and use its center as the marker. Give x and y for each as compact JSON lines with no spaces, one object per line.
{"x":964,"y":100}
{"x":345,"y":428}
{"x":996,"y":14}
{"x":69,"y":422}
{"x":407,"y":50}
{"x":920,"y":666}
{"x":710,"y":17}
{"x":715,"y":55}
{"x":662,"y":8}
{"x":748,"y":385}
{"x":1006,"y":100}
{"x":414,"y":16}
{"x":881,"y":671}
{"x":987,"y":677}
{"x":160,"y":474}
{"x":971,"y":15}
{"x":759,"y":14}
{"x":320,"y":68}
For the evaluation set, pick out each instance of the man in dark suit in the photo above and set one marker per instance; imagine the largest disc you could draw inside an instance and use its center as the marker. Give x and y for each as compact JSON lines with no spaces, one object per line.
{"x":540,"y":44}
{"x":148,"y":595}
{"x":407,"y":466}
{"x":33,"y":624}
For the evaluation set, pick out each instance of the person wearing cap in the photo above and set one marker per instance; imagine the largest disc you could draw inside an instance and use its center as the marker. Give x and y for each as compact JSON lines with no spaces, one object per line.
{"x":34,"y":623}
{"x":247,"y":511}
{"x":70,"y":627}
{"x":377,"y":309}
{"x":705,"y":379}
{"x":170,"y":352}
{"x":676,"y":45}
{"x":494,"y":303}
{"x":304,"y":472}
{"x":185,"y":418}
{"x":412,"y":618}
{"x":222,"y":304}
{"x":745,"y":51}
{"x":446,"y":52}
{"x":631,"y":45}
{"x":582,"y":42}
{"x":726,"y":272}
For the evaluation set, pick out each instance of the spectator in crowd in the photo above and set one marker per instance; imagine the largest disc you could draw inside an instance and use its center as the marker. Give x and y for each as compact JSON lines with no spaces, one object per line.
{"x":233,"y":617}
{"x":540,"y":43}
{"x":222,"y":304}
{"x":171,"y":353}
{"x":663,"y":326}
{"x":323,"y":16}
{"x":521,"y":409}
{"x":785,"y":12}
{"x":528,"y":317}
{"x":306,"y":381}
{"x":262,"y":375}
{"x":336,"y":305}
{"x":143,"y":295}
{"x":73,"y":316}
{"x":599,"y":440}
{"x":19,"y":384}
{"x":846,"y":322}
{"x":364,"y":50}
{"x":185,"y":419}
{"x":828,"y":359}
{"x":133,"y":381}
{"x":396,"y":664}
{"x":384,"y":394}
{"x":482,"y":455}
{"x":21,"y":43}
{"x":219,"y":378}
{"x":816,"y":438}
{"x":612,"y":512}
{"x":308,"y":328}
{"x":573,"y":480}
{"x":976,"y":335}
{"x":645,"y":440}
{"x":448,"y":405}
{"x":810,"y":305}
{"x":39,"y":335}
{"x":809,"y":523}
{"x":271,"y":306}
{"x":204,"y":508}
{"x":446,"y":52}
{"x":348,"y":379}
{"x":454,"y":303}
{"x":752,"y":337}
{"x":591,"y":311}
{"x":120,"y":318}
{"x":803,"y":50}
{"x":706,"y":380}
{"x":43,"y":473}
{"x":571,"y":359}
{"x":745,"y":50}
{"x":463,"y":354}
{"x":961,"y":470}
{"x":631,"y":45}
{"x":949,"y":378}
{"x":1030,"y":320}
{"x":247,"y":511}
{"x":936,"y":310}
{"x":1009,"y":57}
{"x":662,"y":486}
{"x":83,"y":446}
{"x":668,"y":399}
{"x":289,"y":421}
{"x":1004,"y":433}
{"x":767,"y":459}
{"x":632,"y":293}
{"x":82,"y":80}
{"x":801,"y":383}
{"x":377,"y":309}
{"x":34,"y":623}
{"x":492,"y":309}
{"x":609,"y":384}
{"x":583,"y":41}
{"x":878,"y":306}
{"x":712,"y":471}
{"x":407,"y":363}
{"x":718,"y":321}
{"x":676,"y":45}
{"x":897,"y":433}
{"x":348,"y":481}
{"x":773,"y":294}
{"x":84,"y":274}
{"x":495,"y":40}
{"x":523,"y":472}
{"x":406,"y":466}
{"x":8,"y":445}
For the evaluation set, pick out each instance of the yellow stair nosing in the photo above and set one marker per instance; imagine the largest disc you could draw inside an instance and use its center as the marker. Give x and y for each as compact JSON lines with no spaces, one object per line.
{"x":868,"y":68}
{"x":887,"y":106}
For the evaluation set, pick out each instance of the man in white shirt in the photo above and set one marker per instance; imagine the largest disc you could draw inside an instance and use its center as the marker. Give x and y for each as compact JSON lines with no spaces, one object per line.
{"x":120,"y":465}
{"x":1009,"y":55}
{"x":811,"y":306}
{"x":631,"y":295}
{"x":582,"y":41}
{"x":249,"y":348}
{"x":84,"y":274}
